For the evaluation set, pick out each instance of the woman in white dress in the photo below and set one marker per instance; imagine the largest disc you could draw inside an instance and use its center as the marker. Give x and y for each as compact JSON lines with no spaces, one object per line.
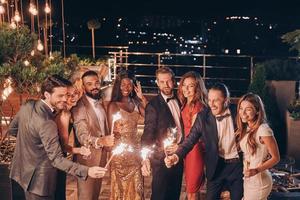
{"x":258,"y":145}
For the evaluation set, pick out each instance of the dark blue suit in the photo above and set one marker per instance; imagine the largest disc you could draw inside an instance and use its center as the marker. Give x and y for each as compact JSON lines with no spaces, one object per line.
{"x":166,"y":183}
{"x":218,"y":172}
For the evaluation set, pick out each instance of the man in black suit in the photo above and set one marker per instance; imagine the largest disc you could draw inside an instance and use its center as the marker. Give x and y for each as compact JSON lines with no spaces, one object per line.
{"x":163,"y":113}
{"x":38,"y":151}
{"x":215,"y":126}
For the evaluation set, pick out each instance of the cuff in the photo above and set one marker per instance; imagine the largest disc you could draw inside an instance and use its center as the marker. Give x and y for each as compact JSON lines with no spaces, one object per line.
{"x":97,"y":146}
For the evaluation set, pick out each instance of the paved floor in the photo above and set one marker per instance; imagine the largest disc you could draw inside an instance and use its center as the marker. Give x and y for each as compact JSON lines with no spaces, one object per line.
{"x":105,"y":191}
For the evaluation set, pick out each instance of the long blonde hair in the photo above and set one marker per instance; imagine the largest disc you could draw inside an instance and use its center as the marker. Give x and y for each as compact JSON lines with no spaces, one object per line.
{"x":259,"y":119}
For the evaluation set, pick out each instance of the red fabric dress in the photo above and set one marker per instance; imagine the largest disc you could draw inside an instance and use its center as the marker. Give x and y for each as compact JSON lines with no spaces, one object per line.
{"x":194,"y":163}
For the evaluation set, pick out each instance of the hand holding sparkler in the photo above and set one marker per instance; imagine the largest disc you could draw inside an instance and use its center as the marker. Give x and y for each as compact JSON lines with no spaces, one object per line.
{"x":170,"y":145}
{"x":119,"y":150}
{"x":115,"y":117}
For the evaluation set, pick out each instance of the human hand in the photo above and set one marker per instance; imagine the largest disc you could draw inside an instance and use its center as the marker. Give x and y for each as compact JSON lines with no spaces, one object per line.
{"x":171,"y":149}
{"x":146,"y":168}
{"x":107,"y":141}
{"x":250,"y":172}
{"x":171,"y":160}
{"x":138,"y":90}
{"x":96,"y":172}
{"x":84,"y":151}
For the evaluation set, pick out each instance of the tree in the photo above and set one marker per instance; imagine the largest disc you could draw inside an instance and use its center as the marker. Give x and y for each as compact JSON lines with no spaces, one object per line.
{"x":293,"y":39}
{"x":15,"y":44}
{"x":92,"y":25}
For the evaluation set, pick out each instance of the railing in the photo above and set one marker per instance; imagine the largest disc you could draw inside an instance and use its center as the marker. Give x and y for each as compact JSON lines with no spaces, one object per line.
{"x":233,"y":70}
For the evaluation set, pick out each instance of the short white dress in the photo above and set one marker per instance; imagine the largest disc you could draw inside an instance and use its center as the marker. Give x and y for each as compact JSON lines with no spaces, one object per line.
{"x":257,"y":187}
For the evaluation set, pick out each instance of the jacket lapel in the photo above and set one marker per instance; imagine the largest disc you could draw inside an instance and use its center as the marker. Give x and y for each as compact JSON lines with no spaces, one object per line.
{"x":213,"y":126}
{"x":91,"y":115}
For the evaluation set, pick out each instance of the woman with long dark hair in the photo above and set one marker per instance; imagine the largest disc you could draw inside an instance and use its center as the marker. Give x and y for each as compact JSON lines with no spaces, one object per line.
{"x":258,"y":145}
{"x":128,"y":100}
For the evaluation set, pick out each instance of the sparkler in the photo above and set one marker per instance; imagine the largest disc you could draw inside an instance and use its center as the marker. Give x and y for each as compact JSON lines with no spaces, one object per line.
{"x":119,"y":150}
{"x":115,"y":117}
{"x":171,"y":138}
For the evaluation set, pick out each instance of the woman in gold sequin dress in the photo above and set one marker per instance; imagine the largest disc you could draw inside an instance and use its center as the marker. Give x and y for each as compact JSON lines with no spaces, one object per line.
{"x":126,"y":177}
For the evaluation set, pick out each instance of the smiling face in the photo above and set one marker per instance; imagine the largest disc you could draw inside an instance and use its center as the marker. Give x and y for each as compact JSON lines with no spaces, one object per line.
{"x":247,"y":112}
{"x":189,"y":88}
{"x":126,"y":87}
{"x":73,"y":96}
{"x":165,"y":83}
{"x":91,"y":85}
{"x":217,"y":102}
{"x":58,"y":98}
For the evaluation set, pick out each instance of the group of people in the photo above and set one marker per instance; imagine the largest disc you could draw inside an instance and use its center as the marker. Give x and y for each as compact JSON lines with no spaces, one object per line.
{"x":213,"y":140}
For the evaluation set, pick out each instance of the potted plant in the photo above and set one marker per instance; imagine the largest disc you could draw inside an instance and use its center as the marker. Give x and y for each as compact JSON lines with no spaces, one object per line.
{"x":293,"y":130}
{"x":294,"y":109}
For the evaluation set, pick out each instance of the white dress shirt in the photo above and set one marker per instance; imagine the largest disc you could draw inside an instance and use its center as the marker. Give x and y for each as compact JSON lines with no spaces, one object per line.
{"x":226,"y":135}
{"x":175,"y":110}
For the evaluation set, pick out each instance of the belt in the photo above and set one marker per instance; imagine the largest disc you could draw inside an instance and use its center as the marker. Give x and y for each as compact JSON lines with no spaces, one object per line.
{"x":231,"y":160}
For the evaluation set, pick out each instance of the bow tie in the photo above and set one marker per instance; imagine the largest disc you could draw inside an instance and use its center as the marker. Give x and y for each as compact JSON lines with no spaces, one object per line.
{"x":170,"y":98}
{"x":220,"y":118}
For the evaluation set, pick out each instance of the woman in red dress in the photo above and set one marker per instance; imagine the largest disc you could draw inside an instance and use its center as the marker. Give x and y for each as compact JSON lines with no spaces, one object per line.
{"x":193,"y":96}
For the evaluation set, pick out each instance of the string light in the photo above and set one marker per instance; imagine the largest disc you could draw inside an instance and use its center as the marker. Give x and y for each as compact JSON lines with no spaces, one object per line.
{"x":2,"y":10}
{"x":40,"y":46}
{"x":17,"y":16}
{"x":13,"y":25}
{"x":47,"y":8}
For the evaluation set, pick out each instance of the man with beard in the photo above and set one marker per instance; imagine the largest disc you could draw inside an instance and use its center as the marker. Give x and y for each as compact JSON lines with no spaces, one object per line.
{"x":38,"y":152}
{"x":91,"y":130}
{"x":162,"y":114}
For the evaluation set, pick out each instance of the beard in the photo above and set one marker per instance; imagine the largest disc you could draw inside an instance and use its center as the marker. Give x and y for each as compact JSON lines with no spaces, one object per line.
{"x":95,"y":96}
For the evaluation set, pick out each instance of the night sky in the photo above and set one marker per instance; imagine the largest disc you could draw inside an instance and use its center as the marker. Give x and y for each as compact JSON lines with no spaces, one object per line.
{"x":79,"y":9}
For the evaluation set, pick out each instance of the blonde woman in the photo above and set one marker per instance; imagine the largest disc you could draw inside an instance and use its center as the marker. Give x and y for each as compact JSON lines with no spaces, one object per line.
{"x":259,"y":146}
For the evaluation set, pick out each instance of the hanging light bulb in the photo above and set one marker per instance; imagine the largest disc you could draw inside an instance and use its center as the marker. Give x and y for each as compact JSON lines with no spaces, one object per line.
{"x":32,"y":53}
{"x":51,"y":56}
{"x":32,"y":9}
{"x":2,"y":10}
{"x":47,"y":8}
{"x":40,"y":46}
{"x":26,"y":62}
{"x":17,"y":16}
{"x":13,"y":24}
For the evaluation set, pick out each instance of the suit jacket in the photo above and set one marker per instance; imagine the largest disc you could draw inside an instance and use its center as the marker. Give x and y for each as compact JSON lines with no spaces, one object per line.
{"x":38,"y":152}
{"x":205,"y":128}
{"x":85,"y":123}
{"x":158,"y":118}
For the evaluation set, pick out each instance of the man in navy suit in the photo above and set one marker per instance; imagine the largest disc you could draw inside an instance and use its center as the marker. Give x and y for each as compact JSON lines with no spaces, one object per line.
{"x":163,"y":113}
{"x":215,"y":126}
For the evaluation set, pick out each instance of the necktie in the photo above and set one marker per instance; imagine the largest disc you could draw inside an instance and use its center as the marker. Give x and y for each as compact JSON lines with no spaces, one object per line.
{"x":220,"y":118}
{"x":170,"y":98}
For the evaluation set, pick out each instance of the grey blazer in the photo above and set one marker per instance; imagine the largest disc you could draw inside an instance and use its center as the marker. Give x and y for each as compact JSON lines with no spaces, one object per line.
{"x":38,"y":152}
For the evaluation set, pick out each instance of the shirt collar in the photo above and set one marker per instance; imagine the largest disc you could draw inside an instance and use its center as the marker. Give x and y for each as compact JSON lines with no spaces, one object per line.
{"x":51,"y":108}
{"x":227,"y":111}
{"x":165,"y":96}
{"x":91,"y":100}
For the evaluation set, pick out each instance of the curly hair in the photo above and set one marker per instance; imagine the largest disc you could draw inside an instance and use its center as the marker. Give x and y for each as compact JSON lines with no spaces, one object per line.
{"x":259,"y":119}
{"x":116,"y":94}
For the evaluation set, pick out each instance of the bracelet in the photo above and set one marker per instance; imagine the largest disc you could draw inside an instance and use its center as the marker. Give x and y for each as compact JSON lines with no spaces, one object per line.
{"x":98,"y":146}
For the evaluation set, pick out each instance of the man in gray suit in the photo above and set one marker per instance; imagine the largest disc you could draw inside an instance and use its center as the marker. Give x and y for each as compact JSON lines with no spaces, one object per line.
{"x":90,"y":124}
{"x":38,"y":152}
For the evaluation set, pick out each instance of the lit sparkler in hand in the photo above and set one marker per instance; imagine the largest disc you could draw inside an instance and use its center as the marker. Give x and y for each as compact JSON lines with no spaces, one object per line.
{"x":115,"y":117}
{"x":119,"y":150}
{"x":171,"y":139}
